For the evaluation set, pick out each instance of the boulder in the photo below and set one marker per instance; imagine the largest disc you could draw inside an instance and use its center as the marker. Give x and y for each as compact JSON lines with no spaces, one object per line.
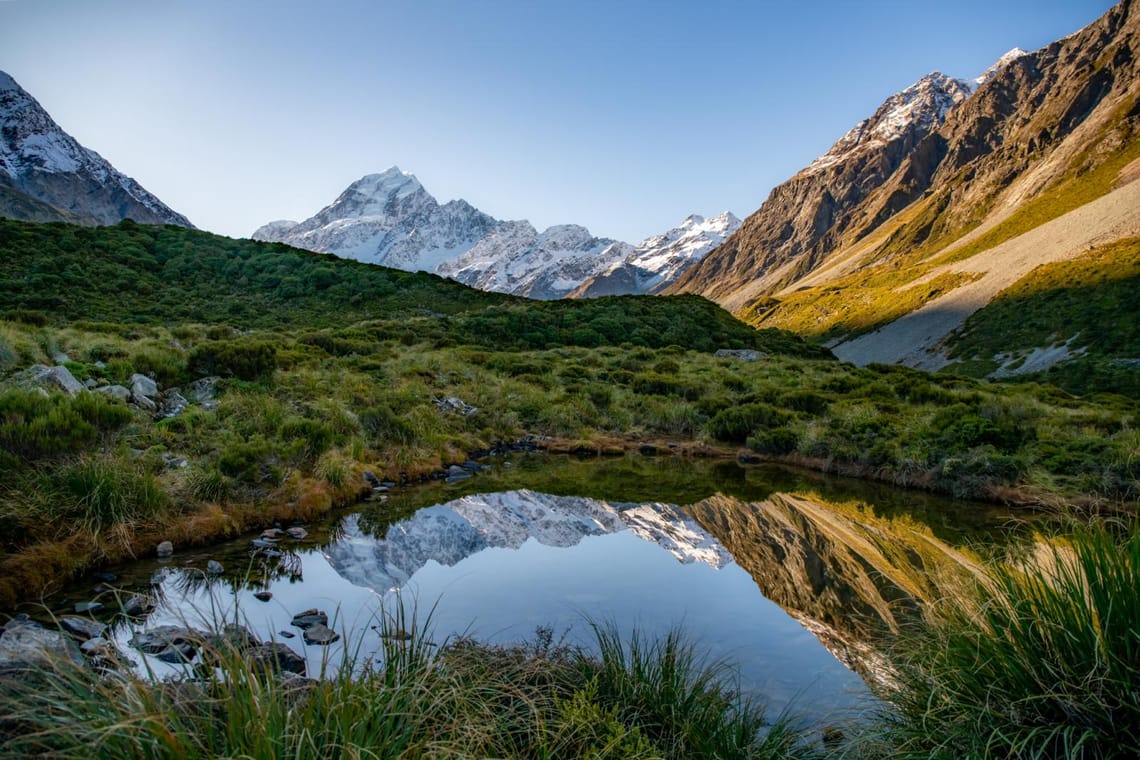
{"x":19,"y":620}
{"x":173,"y":404}
{"x":82,"y":628}
{"x":115,"y":391}
{"x":143,"y":386}
{"x":204,"y":392}
{"x":48,"y":378}
{"x":27,"y":647}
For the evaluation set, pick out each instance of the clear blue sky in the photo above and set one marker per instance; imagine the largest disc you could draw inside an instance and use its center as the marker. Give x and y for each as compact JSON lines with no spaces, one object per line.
{"x":623,"y":116}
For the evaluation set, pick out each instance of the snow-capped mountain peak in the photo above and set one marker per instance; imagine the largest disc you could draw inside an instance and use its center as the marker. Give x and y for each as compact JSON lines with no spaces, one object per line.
{"x":40,"y":160}
{"x":998,"y":65}
{"x":912,"y":113}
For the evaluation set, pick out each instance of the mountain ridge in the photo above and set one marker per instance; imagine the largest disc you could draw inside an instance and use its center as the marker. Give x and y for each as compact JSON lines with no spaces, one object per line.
{"x":47,"y":175}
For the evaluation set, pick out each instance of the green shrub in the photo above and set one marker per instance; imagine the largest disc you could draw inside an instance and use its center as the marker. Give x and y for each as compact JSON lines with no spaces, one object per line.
{"x":735,"y":424}
{"x":780,"y":440}
{"x":253,"y":361}
{"x":33,"y":426}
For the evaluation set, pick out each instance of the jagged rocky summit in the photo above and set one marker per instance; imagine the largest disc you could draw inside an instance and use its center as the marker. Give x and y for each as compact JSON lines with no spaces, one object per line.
{"x":390,"y":219}
{"x":46,"y":175}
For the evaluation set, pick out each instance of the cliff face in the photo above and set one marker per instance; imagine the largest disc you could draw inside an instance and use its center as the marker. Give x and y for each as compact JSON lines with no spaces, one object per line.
{"x":1043,"y":120}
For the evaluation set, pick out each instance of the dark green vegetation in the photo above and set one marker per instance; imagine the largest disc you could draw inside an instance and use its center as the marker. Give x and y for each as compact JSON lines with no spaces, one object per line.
{"x":1041,"y":659}
{"x":541,"y":700}
{"x":133,"y":274}
{"x":1092,"y":303}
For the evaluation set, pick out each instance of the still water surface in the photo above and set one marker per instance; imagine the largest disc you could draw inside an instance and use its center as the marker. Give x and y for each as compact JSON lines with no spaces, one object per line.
{"x":785,"y":574}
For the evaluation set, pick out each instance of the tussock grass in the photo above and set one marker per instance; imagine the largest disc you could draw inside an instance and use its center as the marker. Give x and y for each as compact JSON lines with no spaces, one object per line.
{"x":1041,"y":660}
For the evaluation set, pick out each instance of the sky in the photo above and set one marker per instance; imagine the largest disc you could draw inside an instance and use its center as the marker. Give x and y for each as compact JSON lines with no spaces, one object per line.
{"x":624,"y":116}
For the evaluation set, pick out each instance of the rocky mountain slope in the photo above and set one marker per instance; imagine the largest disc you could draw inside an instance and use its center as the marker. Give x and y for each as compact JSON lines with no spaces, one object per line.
{"x":914,"y":203}
{"x":46,"y":175}
{"x":390,"y":219}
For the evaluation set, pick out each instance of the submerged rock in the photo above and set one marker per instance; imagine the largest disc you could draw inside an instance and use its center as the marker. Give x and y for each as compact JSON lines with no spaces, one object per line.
{"x":309,"y":618}
{"x":320,"y":635}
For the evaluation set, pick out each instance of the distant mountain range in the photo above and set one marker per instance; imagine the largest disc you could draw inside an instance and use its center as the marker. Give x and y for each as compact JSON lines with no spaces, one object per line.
{"x":390,"y":219}
{"x":46,"y":175}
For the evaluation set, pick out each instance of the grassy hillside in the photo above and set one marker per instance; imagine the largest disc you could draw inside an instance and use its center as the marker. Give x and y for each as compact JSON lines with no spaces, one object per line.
{"x":1091,"y":303}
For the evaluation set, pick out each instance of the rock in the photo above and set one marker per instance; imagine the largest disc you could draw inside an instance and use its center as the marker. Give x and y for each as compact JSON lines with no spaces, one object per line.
{"x":454,"y":405}
{"x":287,"y":634}
{"x":82,"y":607}
{"x":101,"y":364}
{"x":159,"y":577}
{"x":203,"y":392}
{"x":173,"y":404}
{"x":173,"y":462}
{"x":263,"y":596}
{"x":276,"y":656}
{"x":157,"y":640}
{"x":263,"y":543}
{"x":309,"y":618}
{"x":27,"y":647}
{"x":60,"y":358}
{"x":144,"y":387}
{"x":82,"y":628}
{"x":178,"y":653}
{"x":371,"y":479}
{"x":647,"y":449}
{"x":295,"y":688}
{"x":272,"y":533}
{"x":19,"y":620}
{"x":144,"y":403}
{"x":104,"y":577}
{"x":90,"y":384}
{"x":297,"y":533}
{"x":742,"y":354}
{"x":48,"y":378}
{"x":138,"y":605}
{"x":115,"y":391}
{"x":320,"y":635}
{"x":232,"y":637}
{"x":213,"y":567}
{"x":98,"y":647}
{"x":164,"y":550}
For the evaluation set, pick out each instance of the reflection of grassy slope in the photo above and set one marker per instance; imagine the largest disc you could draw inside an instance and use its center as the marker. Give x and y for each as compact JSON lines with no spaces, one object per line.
{"x":1093,"y":300}
{"x":877,"y":294}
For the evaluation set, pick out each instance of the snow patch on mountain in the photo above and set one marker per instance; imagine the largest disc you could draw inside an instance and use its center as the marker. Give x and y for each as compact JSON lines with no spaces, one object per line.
{"x":41,"y":160}
{"x":919,"y":109}
{"x":659,"y":260}
{"x":449,"y":533}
